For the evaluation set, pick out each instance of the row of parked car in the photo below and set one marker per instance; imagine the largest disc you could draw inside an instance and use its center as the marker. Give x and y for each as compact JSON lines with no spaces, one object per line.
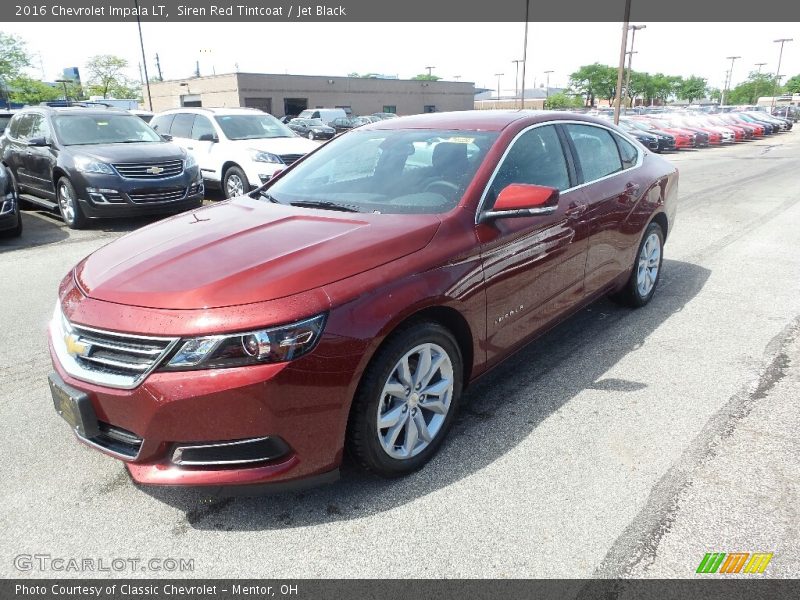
{"x":662,"y":132}
{"x":90,"y":161}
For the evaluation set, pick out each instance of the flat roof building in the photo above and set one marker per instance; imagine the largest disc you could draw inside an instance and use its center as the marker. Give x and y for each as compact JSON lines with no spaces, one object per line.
{"x":289,"y":94}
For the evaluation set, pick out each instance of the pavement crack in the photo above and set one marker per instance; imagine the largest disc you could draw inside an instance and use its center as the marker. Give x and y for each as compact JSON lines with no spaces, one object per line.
{"x":639,"y":542}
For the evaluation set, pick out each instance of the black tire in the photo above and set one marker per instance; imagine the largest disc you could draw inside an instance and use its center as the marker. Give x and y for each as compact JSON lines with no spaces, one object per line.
{"x":311,"y":135}
{"x":631,"y":295}
{"x":74,"y":219}
{"x":230,"y":176}
{"x":362,"y":431}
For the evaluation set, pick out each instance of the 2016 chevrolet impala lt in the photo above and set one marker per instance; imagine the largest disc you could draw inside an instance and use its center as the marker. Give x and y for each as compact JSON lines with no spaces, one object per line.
{"x":347,"y":303}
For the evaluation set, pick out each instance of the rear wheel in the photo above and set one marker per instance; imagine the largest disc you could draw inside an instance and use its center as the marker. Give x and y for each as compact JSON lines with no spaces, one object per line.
{"x":68,"y":204}
{"x":406,"y":401}
{"x":641,"y":286}
{"x":311,"y":135}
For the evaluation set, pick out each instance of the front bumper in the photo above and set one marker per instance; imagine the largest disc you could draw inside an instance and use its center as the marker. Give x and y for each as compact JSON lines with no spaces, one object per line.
{"x":9,"y":212}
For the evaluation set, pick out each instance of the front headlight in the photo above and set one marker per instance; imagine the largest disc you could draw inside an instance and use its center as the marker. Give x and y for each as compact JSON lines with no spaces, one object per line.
{"x":87,"y":164}
{"x":189,"y":161}
{"x":265,"y":157}
{"x":276,"y":344}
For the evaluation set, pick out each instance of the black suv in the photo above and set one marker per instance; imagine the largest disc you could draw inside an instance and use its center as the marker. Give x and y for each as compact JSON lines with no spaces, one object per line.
{"x":93,"y":162}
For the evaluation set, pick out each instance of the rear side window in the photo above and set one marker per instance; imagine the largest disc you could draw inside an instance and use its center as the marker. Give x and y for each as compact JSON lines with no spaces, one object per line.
{"x":537,"y":157}
{"x":182,"y":125}
{"x":627,"y":152}
{"x":596,"y":150}
{"x":202,"y":127}
{"x":162,"y":123}
{"x":21,"y":126}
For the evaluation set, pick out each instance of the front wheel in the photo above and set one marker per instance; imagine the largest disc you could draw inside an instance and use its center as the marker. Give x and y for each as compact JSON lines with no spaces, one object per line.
{"x":311,"y":135}
{"x":68,"y":204}
{"x":641,"y":286}
{"x":234,"y":183}
{"x":406,"y":401}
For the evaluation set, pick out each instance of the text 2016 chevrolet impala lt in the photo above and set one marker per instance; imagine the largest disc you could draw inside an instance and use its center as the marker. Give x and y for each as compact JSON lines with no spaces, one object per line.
{"x":348,"y":303}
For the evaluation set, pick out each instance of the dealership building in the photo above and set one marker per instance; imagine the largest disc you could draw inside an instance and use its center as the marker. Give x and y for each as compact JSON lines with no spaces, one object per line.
{"x":289,"y":94}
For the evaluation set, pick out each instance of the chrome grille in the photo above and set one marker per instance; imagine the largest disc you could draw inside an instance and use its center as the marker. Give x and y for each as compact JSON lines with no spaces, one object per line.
{"x":105,"y":357}
{"x":151,"y":170}
{"x":157,"y":195}
{"x":291,"y":158}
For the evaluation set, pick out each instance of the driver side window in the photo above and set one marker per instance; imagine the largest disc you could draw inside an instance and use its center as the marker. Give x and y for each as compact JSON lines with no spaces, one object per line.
{"x":537,"y":157}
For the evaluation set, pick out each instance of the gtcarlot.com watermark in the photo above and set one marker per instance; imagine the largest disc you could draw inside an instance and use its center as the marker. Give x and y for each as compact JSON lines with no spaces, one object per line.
{"x":44,"y":563}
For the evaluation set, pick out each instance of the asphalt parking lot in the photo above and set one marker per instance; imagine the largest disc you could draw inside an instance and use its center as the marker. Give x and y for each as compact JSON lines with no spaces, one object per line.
{"x":623,"y":443}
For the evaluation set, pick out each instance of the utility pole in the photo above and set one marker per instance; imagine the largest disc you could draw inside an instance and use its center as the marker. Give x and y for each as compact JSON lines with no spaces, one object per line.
{"x":430,"y":69}
{"x":730,"y":78}
{"x":144,"y":60}
{"x":621,"y":68}
{"x":525,"y":51}
{"x":498,"y":75}
{"x":547,"y":86}
{"x":758,"y":80}
{"x":456,"y":77}
{"x":634,"y":29}
{"x":158,"y":66}
{"x":516,"y":78}
{"x":781,"y":41}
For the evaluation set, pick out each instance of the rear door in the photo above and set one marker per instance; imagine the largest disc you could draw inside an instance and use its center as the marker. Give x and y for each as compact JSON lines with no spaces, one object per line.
{"x":204,"y":149}
{"x":606,"y":164}
{"x":533,"y":266}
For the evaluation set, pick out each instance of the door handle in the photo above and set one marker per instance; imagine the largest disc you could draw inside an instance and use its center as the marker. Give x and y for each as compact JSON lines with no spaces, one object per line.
{"x":575,"y":209}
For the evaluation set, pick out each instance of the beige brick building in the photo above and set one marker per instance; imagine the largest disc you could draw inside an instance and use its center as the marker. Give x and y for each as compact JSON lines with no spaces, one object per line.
{"x":289,"y":94}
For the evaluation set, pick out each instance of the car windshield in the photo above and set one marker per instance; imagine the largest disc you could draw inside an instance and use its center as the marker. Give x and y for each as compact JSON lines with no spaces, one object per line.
{"x":81,"y":129}
{"x":252,"y":127}
{"x":394,"y":172}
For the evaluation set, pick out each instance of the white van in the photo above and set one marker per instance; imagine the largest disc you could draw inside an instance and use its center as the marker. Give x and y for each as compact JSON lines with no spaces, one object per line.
{"x":326,"y":114}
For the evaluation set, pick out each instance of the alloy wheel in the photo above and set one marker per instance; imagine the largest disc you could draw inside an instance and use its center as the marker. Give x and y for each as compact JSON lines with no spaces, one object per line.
{"x":234,"y":186}
{"x":66,"y":203}
{"x":649,"y":262}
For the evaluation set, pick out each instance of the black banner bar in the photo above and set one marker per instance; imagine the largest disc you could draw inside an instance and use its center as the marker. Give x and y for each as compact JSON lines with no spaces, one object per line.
{"x":703,"y":588}
{"x":397,"y":11}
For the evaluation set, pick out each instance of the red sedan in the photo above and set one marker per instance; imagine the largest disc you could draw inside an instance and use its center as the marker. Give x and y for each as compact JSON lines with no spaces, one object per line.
{"x":349,"y":301}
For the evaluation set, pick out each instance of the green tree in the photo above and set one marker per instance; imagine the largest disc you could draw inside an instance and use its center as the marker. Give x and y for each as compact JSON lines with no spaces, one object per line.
{"x":562,"y":100}
{"x":665,"y":86}
{"x":594,"y":81}
{"x":13,"y":56}
{"x":792,"y":85}
{"x":747,"y":92}
{"x":25,"y":90}
{"x":106,"y":77}
{"x":715,"y":94}
{"x":426,"y":77}
{"x":692,"y":88}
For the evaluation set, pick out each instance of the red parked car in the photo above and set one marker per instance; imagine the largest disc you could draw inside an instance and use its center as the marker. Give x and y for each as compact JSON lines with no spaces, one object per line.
{"x":349,"y":301}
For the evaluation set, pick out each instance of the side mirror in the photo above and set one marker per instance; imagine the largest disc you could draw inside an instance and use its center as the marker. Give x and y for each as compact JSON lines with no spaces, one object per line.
{"x":523,"y":200}
{"x":166,"y":137}
{"x":208,"y":137}
{"x":38,"y":141}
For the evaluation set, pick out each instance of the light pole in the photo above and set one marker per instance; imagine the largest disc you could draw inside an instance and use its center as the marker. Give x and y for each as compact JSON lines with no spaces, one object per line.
{"x":498,"y":75}
{"x":730,"y":79}
{"x":210,"y":53}
{"x":429,"y":70}
{"x":782,"y":41}
{"x":547,"y":86}
{"x":628,"y":77}
{"x":525,"y":52}
{"x":516,"y":78}
{"x":634,"y":29}
{"x":623,"y":46}
{"x":144,"y":60}
{"x":65,"y":82}
{"x":758,"y":80}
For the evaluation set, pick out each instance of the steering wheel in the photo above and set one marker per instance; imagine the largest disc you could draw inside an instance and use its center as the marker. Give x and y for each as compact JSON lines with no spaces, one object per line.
{"x":446,"y":187}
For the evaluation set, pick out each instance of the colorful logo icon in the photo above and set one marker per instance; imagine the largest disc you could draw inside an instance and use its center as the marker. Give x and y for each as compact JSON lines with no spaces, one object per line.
{"x":734,"y":562}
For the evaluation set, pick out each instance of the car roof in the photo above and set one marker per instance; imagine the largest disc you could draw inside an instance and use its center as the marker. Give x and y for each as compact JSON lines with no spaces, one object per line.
{"x":74,"y":110}
{"x":214,"y":110}
{"x":481,"y":120}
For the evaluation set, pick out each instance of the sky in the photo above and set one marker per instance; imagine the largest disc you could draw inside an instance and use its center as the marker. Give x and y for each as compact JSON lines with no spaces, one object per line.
{"x":473,"y":51}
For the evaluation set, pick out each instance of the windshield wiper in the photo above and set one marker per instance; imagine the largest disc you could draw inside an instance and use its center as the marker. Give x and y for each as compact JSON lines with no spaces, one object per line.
{"x":325,"y":204}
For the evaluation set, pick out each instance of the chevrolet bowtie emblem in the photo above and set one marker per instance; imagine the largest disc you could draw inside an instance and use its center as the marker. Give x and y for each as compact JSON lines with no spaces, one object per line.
{"x":75,"y":347}
{"x":155,"y":170}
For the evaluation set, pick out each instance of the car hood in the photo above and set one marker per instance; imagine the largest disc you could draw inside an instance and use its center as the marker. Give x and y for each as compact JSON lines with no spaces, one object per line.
{"x":246,"y":251}
{"x":287,"y":145}
{"x":145,"y":152}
